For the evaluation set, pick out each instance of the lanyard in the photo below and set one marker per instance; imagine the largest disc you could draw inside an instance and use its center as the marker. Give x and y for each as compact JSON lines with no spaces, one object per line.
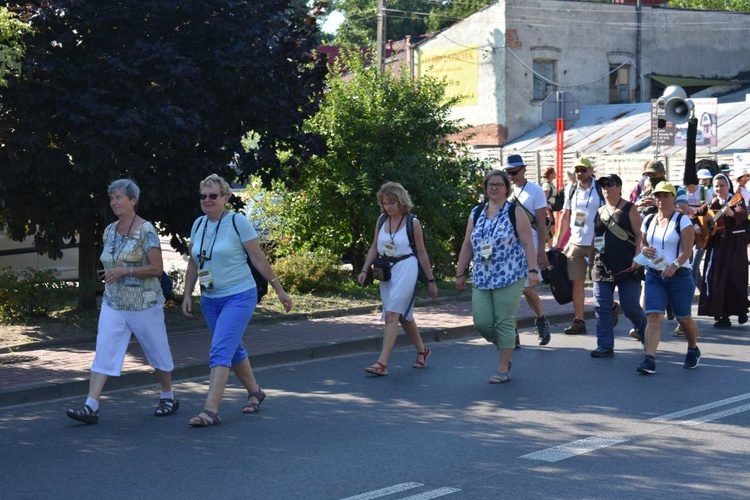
{"x":201,"y":255}
{"x":588,"y":200}
{"x":495,"y":220}
{"x":390,"y":232}
{"x":664,"y":234}
{"x":122,"y":242}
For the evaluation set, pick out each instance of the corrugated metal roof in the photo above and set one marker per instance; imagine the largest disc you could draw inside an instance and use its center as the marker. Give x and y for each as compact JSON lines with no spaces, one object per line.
{"x":626,"y":128}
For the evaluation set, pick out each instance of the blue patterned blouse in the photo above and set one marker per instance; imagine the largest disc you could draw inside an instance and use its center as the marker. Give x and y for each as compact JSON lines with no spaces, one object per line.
{"x":508,"y":261}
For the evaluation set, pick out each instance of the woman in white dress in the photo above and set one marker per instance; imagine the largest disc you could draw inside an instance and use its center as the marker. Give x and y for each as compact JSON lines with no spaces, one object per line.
{"x":399,"y":239}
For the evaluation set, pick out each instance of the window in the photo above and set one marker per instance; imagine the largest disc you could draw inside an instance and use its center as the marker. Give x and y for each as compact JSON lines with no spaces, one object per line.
{"x":619,"y":84}
{"x":544,"y":74}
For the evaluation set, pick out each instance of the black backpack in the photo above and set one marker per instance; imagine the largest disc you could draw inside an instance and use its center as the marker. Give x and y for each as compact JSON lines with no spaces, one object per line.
{"x":477,"y":211}
{"x":261,"y":283}
{"x":422,"y":277}
{"x":573,"y":188}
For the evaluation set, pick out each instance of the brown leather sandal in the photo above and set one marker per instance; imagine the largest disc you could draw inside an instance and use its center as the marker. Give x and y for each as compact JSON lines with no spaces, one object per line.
{"x":424,"y":354}
{"x":199,"y":421}
{"x":254,"y":406}
{"x":377,"y":369}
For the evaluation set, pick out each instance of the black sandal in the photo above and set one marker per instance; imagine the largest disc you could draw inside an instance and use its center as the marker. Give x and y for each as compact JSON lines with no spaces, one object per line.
{"x":86,"y":414}
{"x":213,"y":419}
{"x":166,"y":407}
{"x":252,"y":406}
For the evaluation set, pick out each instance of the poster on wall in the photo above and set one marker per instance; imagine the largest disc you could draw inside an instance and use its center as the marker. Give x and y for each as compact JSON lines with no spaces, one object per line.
{"x":675,"y":134}
{"x":459,"y":66}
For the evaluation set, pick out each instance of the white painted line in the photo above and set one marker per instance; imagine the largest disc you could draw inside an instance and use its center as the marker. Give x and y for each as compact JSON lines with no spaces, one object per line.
{"x":716,"y":416}
{"x":397,"y":488}
{"x":440,"y":492}
{"x":573,"y":449}
{"x":697,"y":409}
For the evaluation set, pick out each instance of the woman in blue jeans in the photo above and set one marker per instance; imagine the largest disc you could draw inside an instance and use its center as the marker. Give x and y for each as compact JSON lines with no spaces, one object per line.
{"x":220,"y":243}
{"x":665,"y":249}
{"x":617,"y":236}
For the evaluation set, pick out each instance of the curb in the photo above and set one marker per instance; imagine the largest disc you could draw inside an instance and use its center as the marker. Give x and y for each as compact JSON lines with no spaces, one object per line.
{"x":34,"y":393}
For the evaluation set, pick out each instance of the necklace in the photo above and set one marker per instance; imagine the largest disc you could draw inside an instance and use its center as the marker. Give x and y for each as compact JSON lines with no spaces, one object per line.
{"x":123,"y":240}
{"x":390,"y":231}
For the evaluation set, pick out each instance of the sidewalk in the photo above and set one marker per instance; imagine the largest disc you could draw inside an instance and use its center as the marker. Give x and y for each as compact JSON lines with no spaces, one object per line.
{"x":62,"y":371}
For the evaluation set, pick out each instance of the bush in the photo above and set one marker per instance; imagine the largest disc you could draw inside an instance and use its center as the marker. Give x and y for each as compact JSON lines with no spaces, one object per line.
{"x":305,"y":272}
{"x":30,"y":293}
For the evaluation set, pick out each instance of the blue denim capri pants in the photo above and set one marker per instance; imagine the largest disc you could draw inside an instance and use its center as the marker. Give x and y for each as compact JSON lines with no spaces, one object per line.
{"x":678,"y":290}
{"x":227,"y":318}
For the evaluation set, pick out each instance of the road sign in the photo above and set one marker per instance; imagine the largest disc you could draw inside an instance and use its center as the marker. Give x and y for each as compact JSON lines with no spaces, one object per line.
{"x":560,"y":105}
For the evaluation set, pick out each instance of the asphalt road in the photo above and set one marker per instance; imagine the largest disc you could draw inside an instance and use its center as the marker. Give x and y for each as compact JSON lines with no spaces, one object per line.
{"x":566,"y":426}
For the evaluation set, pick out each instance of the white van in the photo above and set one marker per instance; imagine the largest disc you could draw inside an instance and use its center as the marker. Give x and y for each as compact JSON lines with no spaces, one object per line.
{"x":22,"y":254}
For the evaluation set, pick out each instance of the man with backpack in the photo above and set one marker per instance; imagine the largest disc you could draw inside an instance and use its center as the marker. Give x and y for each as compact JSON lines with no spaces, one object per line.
{"x":581,"y":204}
{"x":531,"y":198}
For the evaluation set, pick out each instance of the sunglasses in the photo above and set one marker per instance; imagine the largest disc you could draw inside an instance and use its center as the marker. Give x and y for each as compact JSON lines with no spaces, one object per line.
{"x":580,"y":170}
{"x":212,"y":196}
{"x":514,"y":172}
{"x":607,"y":183}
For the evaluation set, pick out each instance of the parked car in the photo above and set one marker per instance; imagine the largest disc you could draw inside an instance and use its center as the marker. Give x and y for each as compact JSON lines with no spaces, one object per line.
{"x":23,"y":254}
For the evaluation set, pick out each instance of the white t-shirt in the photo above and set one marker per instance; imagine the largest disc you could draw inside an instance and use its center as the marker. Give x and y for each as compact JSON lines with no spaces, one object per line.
{"x":531,"y":196}
{"x":583,"y":206}
{"x":665,"y":239}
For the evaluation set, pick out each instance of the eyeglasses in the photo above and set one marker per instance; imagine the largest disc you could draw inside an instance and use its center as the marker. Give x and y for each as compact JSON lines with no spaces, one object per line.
{"x":513,"y":172}
{"x":495,"y":185}
{"x":213,"y":196}
{"x":580,"y":170}
{"x":607,"y":183}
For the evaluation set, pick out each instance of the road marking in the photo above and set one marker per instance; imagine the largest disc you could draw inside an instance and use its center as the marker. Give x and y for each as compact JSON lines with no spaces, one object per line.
{"x":593,"y":443}
{"x":397,"y":488}
{"x":573,"y":449}
{"x":440,"y":492}
{"x":698,"y":409}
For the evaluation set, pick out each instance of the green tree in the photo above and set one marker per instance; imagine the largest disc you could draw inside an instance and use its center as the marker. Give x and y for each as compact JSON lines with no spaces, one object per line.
{"x":403,"y":17}
{"x":733,"y":5}
{"x":379,"y":127}
{"x":161,"y":92}
{"x":11,"y":45}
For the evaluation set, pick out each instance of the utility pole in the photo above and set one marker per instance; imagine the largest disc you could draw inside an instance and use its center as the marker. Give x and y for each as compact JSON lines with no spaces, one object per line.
{"x":638,"y":49}
{"x":381,"y":35}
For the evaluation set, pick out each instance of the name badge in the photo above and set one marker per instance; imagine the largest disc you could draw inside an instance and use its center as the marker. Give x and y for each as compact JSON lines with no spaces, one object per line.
{"x":580,"y":219}
{"x":660,"y":263}
{"x":389,"y":250}
{"x":205,"y":279}
{"x":485,"y":251}
{"x":599,"y":243}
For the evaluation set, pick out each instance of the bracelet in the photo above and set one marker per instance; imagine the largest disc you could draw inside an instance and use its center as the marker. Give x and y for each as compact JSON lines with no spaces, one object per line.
{"x":274,"y":280}
{"x":431,"y":281}
{"x":533,"y":271}
{"x":676,"y":263}
{"x":131,"y":271}
{"x":460,"y":276}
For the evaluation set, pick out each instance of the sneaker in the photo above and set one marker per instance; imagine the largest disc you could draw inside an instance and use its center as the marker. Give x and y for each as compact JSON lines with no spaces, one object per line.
{"x":542,"y":328}
{"x":577,"y":327}
{"x":692,"y":359}
{"x":615,"y":314}
{"x":679,"y":332}
{"x":634,"y":334}
{"x":518,"y":340}
{"x":603,"y":352}
{"x":648,"y":366}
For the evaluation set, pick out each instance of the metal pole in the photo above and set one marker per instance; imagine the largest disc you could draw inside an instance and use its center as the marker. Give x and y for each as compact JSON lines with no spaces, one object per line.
{"x":638,"y":43}
{"x":381,"y":35}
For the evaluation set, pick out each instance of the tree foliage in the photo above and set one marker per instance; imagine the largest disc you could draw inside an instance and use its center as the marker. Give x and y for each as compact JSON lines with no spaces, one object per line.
{"x":379,"y":127}
{"x":732,"y":5}
{"x":403,"y":17}
{"x":11,"y":45}
{"x":158,"y":91}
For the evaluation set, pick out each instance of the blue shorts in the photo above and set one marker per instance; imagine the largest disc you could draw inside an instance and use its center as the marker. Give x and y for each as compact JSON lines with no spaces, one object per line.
{"x":678,"y":290}
{"x":227,"y":318}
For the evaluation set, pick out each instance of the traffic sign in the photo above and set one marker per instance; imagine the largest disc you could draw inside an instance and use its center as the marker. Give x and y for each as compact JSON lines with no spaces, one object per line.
{"x":560,"y":105}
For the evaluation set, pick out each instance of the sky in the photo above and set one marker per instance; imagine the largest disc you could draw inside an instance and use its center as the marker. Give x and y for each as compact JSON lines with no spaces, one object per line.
{"x":333,"y":22}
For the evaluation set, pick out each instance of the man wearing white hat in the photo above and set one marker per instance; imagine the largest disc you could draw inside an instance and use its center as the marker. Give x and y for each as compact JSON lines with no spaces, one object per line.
{"x":704,"y":179}
{"x":742,"y":177}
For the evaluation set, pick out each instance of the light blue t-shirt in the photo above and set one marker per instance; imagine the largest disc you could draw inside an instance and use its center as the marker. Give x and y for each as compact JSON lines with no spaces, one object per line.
{"x":223,"y":253}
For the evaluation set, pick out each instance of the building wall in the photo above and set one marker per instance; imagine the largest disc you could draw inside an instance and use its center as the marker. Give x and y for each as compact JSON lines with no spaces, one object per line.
{"x":586,"y":40}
